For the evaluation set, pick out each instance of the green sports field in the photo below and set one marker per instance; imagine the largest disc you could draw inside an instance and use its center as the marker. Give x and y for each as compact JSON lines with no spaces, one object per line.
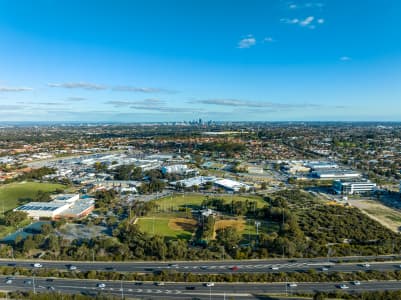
{"x":11,"y":193}
{"x":194,"y":201}
{"x":169,"y":228}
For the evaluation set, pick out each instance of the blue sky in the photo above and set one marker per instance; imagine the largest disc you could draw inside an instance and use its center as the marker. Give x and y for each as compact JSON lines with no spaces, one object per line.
{"x":138,"y":61}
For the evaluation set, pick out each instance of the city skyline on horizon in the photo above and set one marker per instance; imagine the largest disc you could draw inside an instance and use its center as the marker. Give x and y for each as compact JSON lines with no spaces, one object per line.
{"x":171,"y":61}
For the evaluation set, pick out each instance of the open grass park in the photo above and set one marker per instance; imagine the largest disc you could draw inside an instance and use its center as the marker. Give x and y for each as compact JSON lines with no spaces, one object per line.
{"x":172,"y":219}
{"x":12,"y":195}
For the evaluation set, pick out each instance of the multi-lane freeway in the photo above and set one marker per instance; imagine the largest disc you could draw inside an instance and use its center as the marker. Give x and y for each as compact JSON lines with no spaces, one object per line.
{"x":171,"y":290}
{"x":214,"y":267}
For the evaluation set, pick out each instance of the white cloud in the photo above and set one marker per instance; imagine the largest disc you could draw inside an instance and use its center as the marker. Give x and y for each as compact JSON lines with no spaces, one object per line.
{"x":289,"y":21}
{"x":126,"y":88}
{"x":259,"y":105}
{"x":78,"y":85}
{"x":345,"y":58}
{"x":307,"y":21}
{"x":76,"y":98}
{"x":292,"y":6}
{"x":268,"y":40}
{"x":314,"y":5}
{"x":14,"y":89}
{"x":247,"y":42}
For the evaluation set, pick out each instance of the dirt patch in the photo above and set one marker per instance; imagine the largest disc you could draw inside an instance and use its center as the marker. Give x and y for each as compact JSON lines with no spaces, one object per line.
{"x":182,"y":224}
{"x":238,"y":224}
{"x":389,"y":217}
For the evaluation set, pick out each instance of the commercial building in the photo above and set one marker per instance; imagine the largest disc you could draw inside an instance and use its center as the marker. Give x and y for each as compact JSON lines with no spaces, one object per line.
{"x":175,"y":169}
{"x":349,"y":187}
{"x":231,"y":185}
{"x":37,"y":210}
{"x":63,"y":206}
{"x":194,"y":181}
{"x":178,"y":169}
{"x":321,"y":165}
{"x":335,"y":174}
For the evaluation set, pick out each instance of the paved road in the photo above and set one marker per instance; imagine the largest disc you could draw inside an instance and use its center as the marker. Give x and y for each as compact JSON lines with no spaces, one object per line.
{"x":149,"y":290}
{"x":218,"y":267}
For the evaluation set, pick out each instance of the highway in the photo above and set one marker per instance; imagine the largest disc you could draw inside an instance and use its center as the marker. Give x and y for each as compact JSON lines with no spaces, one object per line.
{"x":150,"y":290}
{"x":218,"y":267}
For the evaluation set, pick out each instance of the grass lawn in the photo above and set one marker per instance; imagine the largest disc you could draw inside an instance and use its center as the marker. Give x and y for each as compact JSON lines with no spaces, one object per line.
{"x":10,"y":193}
{"x":180,"y":228}
{"x":194,"y":201}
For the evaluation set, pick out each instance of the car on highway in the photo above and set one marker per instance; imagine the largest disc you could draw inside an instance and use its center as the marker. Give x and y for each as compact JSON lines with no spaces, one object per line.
{"x":356,"y":282}
{"x":399,"y":266}
{"x":51,"y":288}
{"x":203,"y":267}
{"x":324,"y":269}
{"x":173,"y":265}
{"x":138,"y":283}
{"x":292,"y":285}
{"x":72,"y":268}
{"x":27,"y":282}
{"x":9,"y":281}
{"x":209,"y":284}
{"x":37,"y":265}
{"x":110,"y":268}
{"x":161,"y":283}
{"x":234,"y":268}
{"x":101,"y":285}
{"x":11,"y":264}
{"x":343,"y":286}
{"x":190,"y":288}
{"x":366,"y":265}
{"x":49,"y":279}
{"x":275,"y":268}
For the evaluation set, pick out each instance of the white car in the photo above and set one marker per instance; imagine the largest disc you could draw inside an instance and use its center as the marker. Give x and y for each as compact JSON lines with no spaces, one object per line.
{"x":209,"y":284}
{"x":356,"y":282}
{"x":9,"y":281}
{"x":324,"y":269}
{"x":275,"y":268}
{"x":159,"y":283}
{"x":72,"y":268}
{"x":366,"y":265}
{"x":292,"y":285}
{"x":37,"y":265}
{"x":101,"y":285}
{"x":343,"y":286}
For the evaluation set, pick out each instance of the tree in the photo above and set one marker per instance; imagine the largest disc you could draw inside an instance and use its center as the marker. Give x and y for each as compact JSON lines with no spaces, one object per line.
{"x":42,"y":196}
{"x":13,"y":218}
{"x":228,"y":237}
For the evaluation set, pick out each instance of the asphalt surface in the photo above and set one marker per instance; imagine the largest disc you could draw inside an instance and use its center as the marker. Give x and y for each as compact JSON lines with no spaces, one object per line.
{"x":150,"y":290}
{"x":219,"y":267}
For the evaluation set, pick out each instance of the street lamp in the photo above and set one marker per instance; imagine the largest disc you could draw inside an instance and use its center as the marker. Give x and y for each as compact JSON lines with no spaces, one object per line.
{"x":257,"y":224}
{"x":122,"y":289}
